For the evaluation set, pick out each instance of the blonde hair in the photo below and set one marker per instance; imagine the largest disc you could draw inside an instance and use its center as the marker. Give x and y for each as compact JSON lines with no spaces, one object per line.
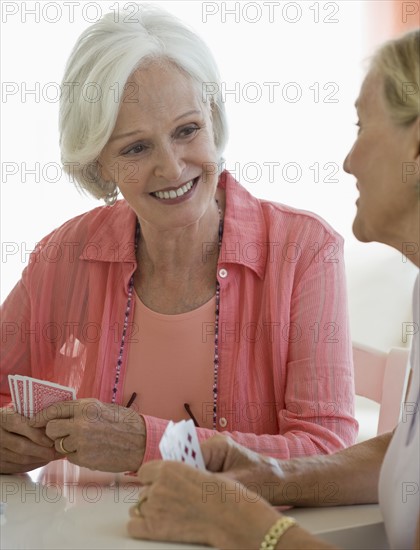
{"x":398,"y":61}
{"x":103,"y":59}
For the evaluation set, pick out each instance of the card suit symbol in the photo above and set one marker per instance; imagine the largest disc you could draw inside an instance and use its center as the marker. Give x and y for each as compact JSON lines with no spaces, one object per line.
{"x":193,"y":454}
{"x":183,"y":459}
{"x":189,"y":438}
{"x":186,"y":450}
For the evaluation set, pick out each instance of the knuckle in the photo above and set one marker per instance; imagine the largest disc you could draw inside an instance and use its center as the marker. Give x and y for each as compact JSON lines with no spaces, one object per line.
{"x":166,"y":471}
{"x":51,"y":429}
{"x":20,"y":447}
{"x":220,"y":439}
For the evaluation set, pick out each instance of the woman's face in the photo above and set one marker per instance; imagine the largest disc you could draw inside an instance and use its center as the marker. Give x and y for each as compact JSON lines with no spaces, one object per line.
{"x":382,"y":159}
{"x":161,"y":153}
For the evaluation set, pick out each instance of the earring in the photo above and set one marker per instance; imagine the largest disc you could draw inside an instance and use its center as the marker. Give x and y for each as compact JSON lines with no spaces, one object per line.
{"x":111,"y":198}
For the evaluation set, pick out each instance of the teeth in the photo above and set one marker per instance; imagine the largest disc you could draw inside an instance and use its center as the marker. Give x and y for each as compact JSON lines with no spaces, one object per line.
{"x":174,"y":194}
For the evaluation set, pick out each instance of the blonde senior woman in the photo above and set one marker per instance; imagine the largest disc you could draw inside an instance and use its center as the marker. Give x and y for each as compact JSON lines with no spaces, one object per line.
{"x":189,"y":296}
{"x":183,"y":504}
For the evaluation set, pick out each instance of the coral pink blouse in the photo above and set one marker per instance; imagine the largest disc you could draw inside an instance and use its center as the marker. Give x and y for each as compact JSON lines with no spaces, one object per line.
{"x":285,"y":383}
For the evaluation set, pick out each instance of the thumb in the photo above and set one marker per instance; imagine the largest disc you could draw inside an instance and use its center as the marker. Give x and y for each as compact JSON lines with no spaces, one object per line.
{"x":215,"y":451}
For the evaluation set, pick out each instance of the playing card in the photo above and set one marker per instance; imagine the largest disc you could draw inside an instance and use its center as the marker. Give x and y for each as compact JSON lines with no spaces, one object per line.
{"x":26,"y":393}
{"x":167,"y":443}
{"x":13,"y":391}
{"x":43,"y":393}
{"x":188,"y":445}
{"x":180,"y":442}
{"x":20,"y":393}
{"x":30,"y":395}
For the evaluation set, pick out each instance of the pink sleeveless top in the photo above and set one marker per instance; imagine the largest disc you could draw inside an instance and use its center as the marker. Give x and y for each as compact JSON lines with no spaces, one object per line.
{"x":171,"y":362}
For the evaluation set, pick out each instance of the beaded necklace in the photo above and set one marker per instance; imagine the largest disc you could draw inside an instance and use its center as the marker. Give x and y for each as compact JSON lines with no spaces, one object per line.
{"x":216,"y":326}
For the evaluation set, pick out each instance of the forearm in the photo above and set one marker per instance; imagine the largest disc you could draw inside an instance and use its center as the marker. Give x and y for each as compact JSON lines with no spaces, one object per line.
{"x":244,"y":524}
{"x":280,"y":446}
{"x":303,"y":440}
{"x":346,"y":477}
{"x":349,"y":476}
{"x":297,"y":538}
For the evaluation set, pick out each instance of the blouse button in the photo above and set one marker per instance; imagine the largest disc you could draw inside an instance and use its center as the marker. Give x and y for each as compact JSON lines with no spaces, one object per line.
{"x":222,"y":422}
{"x":223,"y":273}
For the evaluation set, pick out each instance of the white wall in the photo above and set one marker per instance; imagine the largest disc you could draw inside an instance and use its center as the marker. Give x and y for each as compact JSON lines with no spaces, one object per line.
{"x":290,"y":44}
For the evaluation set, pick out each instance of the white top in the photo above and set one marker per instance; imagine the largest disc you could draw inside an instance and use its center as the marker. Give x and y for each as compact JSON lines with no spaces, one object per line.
{"x":399,"y":495}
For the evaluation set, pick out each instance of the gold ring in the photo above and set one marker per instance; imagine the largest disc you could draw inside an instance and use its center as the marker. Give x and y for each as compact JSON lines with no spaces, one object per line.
{"x":63,"y":450}
{"x":137,"y":508}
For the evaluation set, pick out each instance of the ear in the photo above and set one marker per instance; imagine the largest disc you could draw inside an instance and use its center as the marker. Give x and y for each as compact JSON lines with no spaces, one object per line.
{"x":412,"y":168}
{"x":103,"y":171}
{"x":416,"y":136}
{"x":417,"y":159}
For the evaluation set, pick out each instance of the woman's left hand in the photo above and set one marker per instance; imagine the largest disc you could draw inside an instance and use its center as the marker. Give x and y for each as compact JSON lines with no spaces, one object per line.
{"x":183,"y":504}
{"x":96,"y":435}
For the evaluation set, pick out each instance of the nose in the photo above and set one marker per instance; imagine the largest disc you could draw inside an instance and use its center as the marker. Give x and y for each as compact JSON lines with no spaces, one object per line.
{"x":346,"y":163}
{"x":169,"y":163}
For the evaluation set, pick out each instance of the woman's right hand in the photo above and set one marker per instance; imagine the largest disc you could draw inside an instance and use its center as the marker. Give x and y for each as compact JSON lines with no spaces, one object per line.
{"x":22,"y":448}
{"x":223,"y":454}
{"x":179,"y":503}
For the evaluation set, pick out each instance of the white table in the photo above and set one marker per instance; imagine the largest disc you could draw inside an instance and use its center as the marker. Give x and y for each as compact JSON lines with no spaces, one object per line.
{"x":348,"y":527}
{"x":67,"y":507}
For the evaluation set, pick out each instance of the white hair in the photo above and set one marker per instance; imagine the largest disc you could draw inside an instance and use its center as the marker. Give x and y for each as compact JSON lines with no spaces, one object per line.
{"x":104,"y":57}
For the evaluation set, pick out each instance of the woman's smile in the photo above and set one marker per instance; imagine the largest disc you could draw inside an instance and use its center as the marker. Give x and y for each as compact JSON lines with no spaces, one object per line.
{"x":174,"y":195}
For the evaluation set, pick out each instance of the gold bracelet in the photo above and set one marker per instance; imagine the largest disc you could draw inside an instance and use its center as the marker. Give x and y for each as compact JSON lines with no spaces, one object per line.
{"x":276,"y":531}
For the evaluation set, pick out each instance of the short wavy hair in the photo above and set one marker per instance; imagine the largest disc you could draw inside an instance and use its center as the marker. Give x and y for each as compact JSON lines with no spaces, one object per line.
{"x":104,"y":57}
{"x":398,"y":61}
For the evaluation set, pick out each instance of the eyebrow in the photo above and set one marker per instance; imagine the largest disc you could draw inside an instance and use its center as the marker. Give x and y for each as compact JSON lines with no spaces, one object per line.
{"x":136,"y":132}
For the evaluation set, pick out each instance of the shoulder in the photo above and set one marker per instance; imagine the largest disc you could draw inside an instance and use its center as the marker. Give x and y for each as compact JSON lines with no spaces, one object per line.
{"x":84,"y":227}
{"x":96,"y":229}
{"x":270,"y":219}
{"x":283,"y":218}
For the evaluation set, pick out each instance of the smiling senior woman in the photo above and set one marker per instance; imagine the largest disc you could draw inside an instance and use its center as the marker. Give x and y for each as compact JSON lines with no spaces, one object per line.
{"x":158,"y":294}
{"x":213,"y":509}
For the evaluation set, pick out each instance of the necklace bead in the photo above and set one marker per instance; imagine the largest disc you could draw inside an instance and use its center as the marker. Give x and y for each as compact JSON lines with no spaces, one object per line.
{"x":216,"y":327}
